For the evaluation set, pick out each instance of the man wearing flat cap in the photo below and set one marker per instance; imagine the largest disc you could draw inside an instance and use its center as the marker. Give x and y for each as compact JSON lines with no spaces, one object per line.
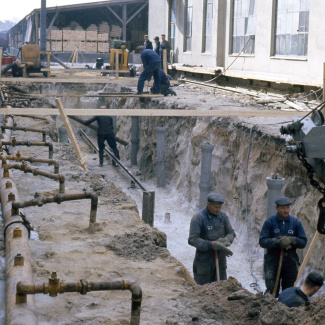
{"x":281,"y":233}
{"x":211,"y":232}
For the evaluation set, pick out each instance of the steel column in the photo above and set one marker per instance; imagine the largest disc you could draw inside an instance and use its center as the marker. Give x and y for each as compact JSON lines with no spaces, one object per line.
{"x":43,"y":25}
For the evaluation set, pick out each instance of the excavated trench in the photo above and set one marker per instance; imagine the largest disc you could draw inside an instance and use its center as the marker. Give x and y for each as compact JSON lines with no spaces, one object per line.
{"x":121,"y":236}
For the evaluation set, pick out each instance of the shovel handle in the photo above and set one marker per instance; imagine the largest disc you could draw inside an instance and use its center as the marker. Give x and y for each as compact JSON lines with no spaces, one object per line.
{"x":278,"y":274}
{"x":217,"y":265}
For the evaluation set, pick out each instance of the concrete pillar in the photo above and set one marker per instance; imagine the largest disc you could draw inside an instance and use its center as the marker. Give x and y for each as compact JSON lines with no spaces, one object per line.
{"x":63,"y":134}
{"x":43,"y":25}
{"x":160,"y":156}
{"x":274,"y":187}
{"x":134,"y":139}
{"x":205,"y":182}
{"x":148,"y":207}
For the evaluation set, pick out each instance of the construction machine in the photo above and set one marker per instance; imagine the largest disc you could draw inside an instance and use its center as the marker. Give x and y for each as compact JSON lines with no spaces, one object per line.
{"x":308,"y":134}
{"x":122,"y":53}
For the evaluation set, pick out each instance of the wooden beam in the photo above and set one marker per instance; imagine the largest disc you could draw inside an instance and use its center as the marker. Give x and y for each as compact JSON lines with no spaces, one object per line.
{"x":55,"y":80}
{"x":99,"y":95}
{"x":52,"y":23}
{"x":115,"y":14}
{"x":152,"y":112}
{"x":72,"y":137}
{"x":138,"y":11}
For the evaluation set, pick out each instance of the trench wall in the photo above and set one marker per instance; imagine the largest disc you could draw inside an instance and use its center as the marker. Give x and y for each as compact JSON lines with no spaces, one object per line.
{"x":230,"y":137}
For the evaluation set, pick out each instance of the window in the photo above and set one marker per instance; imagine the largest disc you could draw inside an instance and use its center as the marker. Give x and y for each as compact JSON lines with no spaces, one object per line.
{"x":188,"y":26}
{"x":243,"y":26}
{"x":292,"y":22}
{"x":172,"y":24}
{"x":207,"y":30}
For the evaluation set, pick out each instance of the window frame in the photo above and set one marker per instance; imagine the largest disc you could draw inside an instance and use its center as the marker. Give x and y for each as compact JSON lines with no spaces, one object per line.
{"x":188,"y":38}
{"x":204,"y":28}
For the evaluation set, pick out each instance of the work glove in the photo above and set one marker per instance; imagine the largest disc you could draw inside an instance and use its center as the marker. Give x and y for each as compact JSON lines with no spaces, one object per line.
{"x":293,"y":240}
{"x":284,"y":241}
{"x":218,"y":246}
{"x":225,"y":241}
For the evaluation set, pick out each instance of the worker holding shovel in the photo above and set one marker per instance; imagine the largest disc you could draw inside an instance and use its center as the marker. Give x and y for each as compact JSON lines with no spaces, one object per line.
{"x":211,"y":234}
{"x":281,"y":235}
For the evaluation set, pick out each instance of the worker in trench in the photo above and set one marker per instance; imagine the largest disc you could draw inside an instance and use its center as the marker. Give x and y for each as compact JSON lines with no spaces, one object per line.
{"x":211,"y":233}
{"x":151,"y":63}
{"x":105,"y":132}
{"x":295,"y":296}
{"x":164,"y":84}
{"x":281,"y":234}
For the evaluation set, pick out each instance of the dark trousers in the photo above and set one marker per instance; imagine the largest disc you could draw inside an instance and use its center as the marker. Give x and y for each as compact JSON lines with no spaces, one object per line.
{"x":110,"y":138}
{"x":204,"y":267}
{"x":150,"y":70}
{"x":289,"y":271}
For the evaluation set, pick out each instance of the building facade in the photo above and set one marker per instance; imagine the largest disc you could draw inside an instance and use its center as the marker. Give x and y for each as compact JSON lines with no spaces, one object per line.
{"x":272,"y":40}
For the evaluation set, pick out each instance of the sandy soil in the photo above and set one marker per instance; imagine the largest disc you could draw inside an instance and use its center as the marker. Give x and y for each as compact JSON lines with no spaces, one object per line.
{"x":121,"y":246}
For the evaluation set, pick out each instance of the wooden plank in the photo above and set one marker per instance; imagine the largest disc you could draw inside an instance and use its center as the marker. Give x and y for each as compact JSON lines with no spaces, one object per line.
{"x":71,"y":134}
{"x":0,"y":62}
{"x":99,"y":95}
{"x":165,"y":60}
{"x":103,"y":80}
{"x":151,"y":112}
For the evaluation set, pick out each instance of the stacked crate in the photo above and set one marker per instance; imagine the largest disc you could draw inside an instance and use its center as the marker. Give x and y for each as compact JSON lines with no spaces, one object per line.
{"x":103,"y":37}
{"x":56,"y":40}
{"x":91,"y":39}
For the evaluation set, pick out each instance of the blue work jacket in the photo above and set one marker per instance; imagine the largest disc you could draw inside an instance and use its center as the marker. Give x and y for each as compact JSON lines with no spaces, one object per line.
{"x":293,"y":297}
{"x":149,"y":57}
{"x":275,"y":227}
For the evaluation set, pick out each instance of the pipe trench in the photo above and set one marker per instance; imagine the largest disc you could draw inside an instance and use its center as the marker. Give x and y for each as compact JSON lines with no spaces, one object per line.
{"x":13,"y":143}
{"x":19,"y":128}
{"x":55,"y":287}
{"x":59,"y":198}
{"x":35,"y":171}
{"x":19,"y":158}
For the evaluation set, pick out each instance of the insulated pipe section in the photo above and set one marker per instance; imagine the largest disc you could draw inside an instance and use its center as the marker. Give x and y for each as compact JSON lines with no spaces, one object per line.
{"x":134,"y":139}
{"x":40,"y":201}
{"x":14,"y":143}
{"x":274,"y":187}
{"x":205,"y":183}
{"x":160,"y":156}
{"x":19,"y":128}
{"x":18,"y":257}
{"x":23,"y":167}
{"x":55,"y":287}
{"x":20,"y":158}
{"x":45,"y":119}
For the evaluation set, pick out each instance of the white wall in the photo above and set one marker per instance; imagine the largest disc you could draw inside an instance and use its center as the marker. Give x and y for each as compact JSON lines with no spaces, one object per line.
{"x":262,"y":65}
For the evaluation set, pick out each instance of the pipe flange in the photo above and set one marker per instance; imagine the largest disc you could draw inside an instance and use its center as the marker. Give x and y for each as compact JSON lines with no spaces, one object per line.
{"x":84,"y":286}
{"x":13,"y":222}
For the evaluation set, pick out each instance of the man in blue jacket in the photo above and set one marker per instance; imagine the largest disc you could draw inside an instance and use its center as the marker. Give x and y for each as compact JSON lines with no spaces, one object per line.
{"x":164,"y":84}
{"x":211,"y":231}
{"x":295,"y":297}
{"x":281,"y":232}
{"x":151,"y":64}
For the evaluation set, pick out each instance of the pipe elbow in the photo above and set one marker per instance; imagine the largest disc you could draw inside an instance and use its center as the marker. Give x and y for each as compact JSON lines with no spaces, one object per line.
{"x":136,"y":291}
{"x":50,"y":145}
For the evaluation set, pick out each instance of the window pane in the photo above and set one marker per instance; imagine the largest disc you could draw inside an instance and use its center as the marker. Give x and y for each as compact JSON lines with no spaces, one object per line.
{"x":244,"y":25}
{"x":292,"y":21}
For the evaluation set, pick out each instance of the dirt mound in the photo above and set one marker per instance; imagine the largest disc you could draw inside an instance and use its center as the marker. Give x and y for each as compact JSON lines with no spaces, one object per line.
{"x":141,"y":244}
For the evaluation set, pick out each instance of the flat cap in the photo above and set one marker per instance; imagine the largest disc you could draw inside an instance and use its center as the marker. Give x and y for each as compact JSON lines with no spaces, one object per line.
{"x":215,"y":198}
{"x":283,"y":200}
{"x":156,"y":38}
{"x":141,"y":47}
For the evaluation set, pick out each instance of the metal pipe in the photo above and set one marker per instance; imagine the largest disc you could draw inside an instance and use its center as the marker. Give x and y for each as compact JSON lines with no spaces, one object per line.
{"x":23,"y":167}
{"x":19,"y":128}
{"x":134,"y":139}
{"x":205,"y":182}
{"x":45,"y":119}
{"x":274,"y":187}
{"x":20,"y":158}
{"x":16,"y":242}
{"x":114,"y":158}
{"x":55,"y":287}
{"x":14,"y":143}
{"x":58,"y":198}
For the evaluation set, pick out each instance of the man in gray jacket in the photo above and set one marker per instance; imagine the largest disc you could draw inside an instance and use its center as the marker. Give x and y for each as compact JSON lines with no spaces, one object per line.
{"x":211,"y":232}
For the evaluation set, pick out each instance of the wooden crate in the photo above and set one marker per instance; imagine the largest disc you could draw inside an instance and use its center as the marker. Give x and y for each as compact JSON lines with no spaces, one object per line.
{"x":90,"y":47}
{"x":65,"y":47}
{"x":103,"y":47}
{"x":67,"y":35}
{"x":91,"y":35}
{"x":56,"y":46}
{"x":79,"y":35}
{"x":56,"y":35}
{"x":48,"y":46}
{"x":103,"y":37}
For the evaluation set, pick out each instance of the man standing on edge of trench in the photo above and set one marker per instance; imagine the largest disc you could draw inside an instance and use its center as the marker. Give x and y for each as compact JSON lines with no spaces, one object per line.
{"x":281,"y":233}
{"x":211,"y":232}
